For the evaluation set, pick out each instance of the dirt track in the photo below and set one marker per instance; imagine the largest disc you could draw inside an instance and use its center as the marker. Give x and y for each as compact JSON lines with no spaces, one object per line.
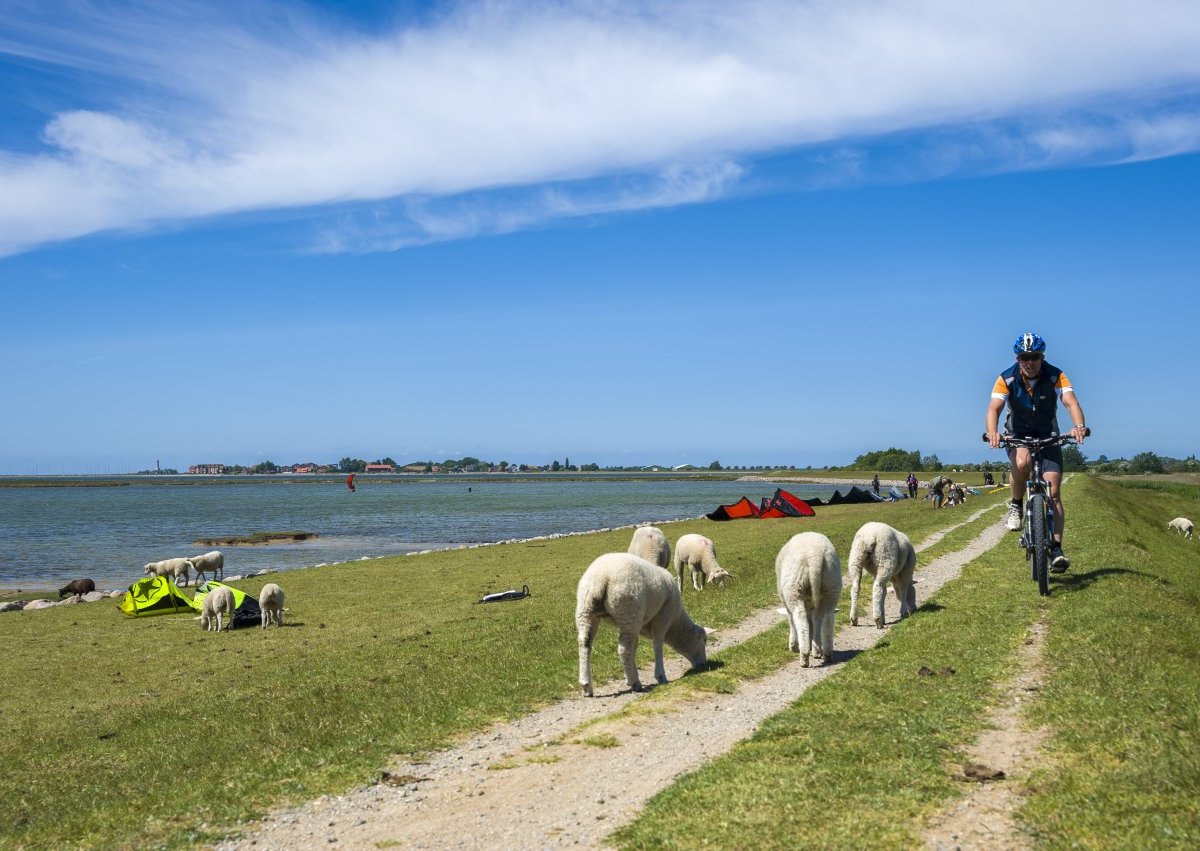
{"x":508,"y":788}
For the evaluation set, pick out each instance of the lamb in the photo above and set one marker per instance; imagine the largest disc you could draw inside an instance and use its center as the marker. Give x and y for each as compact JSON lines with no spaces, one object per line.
{"x":888,"y":555}
{"x":650,"y":543}
{"x":217,"y":601}
{"x":211,"y":562}
{"x":175,"y":567}
{"x":639,"y":598}
{"x":77,"y":586}
{"x":699,"y":554}
{"x":808,"y":576}
{"x":270,"y":602}
{"x":1183,"y":526}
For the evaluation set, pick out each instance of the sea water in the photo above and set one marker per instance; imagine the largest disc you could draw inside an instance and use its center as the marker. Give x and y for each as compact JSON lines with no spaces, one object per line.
{"x":51,"y":535}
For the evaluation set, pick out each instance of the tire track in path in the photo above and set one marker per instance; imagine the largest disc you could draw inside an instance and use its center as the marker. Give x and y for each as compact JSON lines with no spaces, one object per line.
{"x":984,"y":818}
{"x":536,"y":782}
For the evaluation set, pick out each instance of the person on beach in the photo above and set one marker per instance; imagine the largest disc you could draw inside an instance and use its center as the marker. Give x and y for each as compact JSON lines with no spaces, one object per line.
{"x":875,"y":484}
{"x":912,"y":483}
{"x":1031,"y":388}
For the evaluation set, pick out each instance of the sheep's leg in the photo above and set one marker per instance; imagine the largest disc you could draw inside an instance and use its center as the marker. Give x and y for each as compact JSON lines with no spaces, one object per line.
{"x":878,"y":595}
{"x":855,"y":581}
{"x":698,"y":577}
{"x":678,"y":573}
{"x":793,"y":639}
{"x":828,"y":621}
{"x":660,"y":669}
{"x":587,"y":635}
{"x":805,"y":623}
{"x":627,"y":644}
{"x":906,"y":592}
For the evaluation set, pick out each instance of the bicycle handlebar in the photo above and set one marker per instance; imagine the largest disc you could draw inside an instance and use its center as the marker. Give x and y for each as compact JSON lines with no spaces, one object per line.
{"x":1039,"y":442}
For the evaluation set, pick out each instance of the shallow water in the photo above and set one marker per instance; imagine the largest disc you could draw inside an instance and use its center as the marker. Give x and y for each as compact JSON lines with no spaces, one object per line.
{"x":50,"y":535}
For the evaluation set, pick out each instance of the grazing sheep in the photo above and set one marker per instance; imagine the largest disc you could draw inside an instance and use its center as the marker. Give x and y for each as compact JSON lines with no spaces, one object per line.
{"x":888,"y":555}
{"x":211,"y":562}
{"x":270,"y":602}
{"x":650,"y":543}
{"x":77,"y":586}
{"x":698,"y":554}
{"x":639,"y":598}
{"x":809,"y":578}
{"x":216,"y":602}
{"x":175,"y":567}
{"x":1182,"y":525}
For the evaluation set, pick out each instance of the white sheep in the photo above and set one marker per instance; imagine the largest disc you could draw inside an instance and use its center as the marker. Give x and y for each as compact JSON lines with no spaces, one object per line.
{"x":888,"y":555}
{"x":699,"y":555}
{"x":650,"y":543}
{"x":639,"y":598}
{"x":174,"y":567}
{"x":270,"y":602}
{"x":211,"y":562}
{"x":217,"y":601}
{"x":808,"y":576}
{"x":1182,"y":525}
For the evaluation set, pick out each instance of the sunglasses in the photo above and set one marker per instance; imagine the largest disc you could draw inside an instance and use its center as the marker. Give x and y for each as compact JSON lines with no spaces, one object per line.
{"x":1030,"y":357}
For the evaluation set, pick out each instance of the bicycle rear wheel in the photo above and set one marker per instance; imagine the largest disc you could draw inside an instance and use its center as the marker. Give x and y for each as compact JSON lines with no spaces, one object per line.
{"x":1039,"y":543}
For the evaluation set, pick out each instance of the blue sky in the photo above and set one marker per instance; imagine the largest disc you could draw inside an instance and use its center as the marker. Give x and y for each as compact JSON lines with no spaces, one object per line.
{"x":760,"y":233}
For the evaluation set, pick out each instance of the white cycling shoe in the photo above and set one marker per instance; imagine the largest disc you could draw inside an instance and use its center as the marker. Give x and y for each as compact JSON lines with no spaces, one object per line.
{"x":1013,"y":521}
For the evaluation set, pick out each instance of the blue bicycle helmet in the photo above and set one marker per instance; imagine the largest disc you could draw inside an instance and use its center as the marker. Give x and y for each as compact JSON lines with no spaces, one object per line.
{"x":1029,"y":343}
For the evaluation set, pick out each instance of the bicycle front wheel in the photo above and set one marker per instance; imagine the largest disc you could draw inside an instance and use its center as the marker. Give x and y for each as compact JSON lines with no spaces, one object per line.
{"x":1039,"y":543}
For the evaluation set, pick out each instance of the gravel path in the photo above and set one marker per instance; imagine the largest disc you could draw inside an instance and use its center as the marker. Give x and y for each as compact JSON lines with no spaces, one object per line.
{"x":999,"y":762}
{"x":537,"y":783}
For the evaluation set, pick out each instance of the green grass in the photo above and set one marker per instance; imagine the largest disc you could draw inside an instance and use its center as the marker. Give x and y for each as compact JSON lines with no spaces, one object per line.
{"x":123,"y":732}
{"x":865,"y":758}
{"x":256,"y":538}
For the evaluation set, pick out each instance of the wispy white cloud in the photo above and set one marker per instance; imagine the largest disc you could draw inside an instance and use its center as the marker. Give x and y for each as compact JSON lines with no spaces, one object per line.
{"x":495,"y":116}
{"x":428,"y":219}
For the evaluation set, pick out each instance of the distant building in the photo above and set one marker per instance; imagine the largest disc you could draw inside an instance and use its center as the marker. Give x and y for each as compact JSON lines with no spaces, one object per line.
{"x":379,"y":468}
{"x":207,"y":469}
{"x":304,"y":468}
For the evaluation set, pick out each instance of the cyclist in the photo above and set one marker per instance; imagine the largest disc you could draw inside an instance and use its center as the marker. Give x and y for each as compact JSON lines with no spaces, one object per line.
{"x":1031,"y":388}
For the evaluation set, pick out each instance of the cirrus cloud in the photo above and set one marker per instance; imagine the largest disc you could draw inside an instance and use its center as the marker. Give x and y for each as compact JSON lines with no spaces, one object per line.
{"x":495,"y":116}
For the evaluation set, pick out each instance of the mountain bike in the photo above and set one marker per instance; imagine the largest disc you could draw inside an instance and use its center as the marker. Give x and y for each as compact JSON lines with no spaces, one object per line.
{"x":1037,"y":536}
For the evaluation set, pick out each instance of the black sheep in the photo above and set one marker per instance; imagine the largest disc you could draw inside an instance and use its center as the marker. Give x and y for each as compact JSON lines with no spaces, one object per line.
{"x":77,"y":586}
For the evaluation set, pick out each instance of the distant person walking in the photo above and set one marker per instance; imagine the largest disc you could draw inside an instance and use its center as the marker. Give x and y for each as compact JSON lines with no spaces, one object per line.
{"x":912,"y":483}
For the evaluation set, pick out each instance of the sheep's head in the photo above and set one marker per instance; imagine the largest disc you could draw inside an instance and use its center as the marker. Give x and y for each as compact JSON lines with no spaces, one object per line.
{"x":149,"y":568}
{"x":698,"y":654}
{"x":720,"y":575}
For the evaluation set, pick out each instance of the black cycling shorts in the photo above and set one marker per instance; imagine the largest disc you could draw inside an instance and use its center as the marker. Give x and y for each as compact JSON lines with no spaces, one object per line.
{"x":1052,"y":460}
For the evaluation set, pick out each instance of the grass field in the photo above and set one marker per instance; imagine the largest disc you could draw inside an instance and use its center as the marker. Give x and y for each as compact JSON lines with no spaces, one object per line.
{"x":864,"y":759}
{"x":131,"y":732}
